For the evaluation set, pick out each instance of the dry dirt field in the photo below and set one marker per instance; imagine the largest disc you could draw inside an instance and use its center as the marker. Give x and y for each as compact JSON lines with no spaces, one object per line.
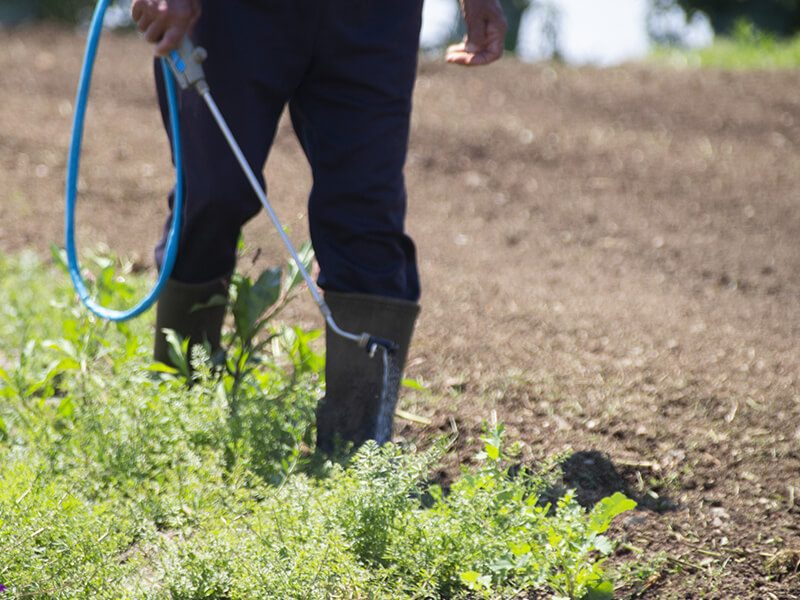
{"x":610,"y":262}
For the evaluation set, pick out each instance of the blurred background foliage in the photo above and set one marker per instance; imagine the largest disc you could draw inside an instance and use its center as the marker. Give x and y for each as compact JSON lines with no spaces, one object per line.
{"x":65,"y":11}
{"x":778,"y":18}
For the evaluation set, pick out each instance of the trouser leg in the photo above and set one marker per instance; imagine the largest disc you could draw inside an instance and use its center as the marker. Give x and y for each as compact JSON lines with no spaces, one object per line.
{"x":352,"y":116}
{"x":251,"y":92}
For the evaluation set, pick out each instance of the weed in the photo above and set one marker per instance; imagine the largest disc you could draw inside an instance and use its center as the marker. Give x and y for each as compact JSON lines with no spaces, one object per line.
{"x":53,"y":543}
{"x":121,"y":482}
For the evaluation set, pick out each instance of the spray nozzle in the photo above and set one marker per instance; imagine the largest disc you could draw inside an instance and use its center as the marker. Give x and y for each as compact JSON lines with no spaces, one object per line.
{"x":371,"y":344}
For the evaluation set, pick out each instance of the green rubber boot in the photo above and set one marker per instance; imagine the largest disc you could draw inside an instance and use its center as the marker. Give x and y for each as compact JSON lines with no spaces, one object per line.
{"x":175,"y":310}
{"x":361,"y":392}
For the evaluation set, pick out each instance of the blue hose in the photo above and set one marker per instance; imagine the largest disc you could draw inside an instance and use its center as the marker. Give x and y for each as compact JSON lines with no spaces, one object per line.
{"x":73,"y":162}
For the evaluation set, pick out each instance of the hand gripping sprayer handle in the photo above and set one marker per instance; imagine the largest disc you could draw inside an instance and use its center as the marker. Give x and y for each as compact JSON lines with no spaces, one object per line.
{"x":185,"y":62}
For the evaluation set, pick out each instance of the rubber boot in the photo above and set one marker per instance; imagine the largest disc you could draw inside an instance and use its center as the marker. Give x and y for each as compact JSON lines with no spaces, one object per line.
{"x":176,"y":310}
{"x":360,"y":394}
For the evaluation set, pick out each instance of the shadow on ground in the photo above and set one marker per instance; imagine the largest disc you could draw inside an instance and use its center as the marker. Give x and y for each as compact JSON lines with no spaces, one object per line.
{"x":594,"y":476}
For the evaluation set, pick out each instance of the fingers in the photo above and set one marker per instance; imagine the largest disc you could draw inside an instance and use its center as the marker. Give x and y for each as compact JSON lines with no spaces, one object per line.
{"x":154,"y":31}
{"x":137,"y":10}
{"x":196,"y":10}
{"x":470,"y":54}
{"x":169,"y":40}
{"x":486,"y":30}
{"x":144,"y":18}
{"x":165,"y":23}
{"x":457,"y":54}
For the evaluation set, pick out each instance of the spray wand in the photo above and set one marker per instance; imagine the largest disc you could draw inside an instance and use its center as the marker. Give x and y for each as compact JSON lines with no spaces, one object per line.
{"x":186,"y":65}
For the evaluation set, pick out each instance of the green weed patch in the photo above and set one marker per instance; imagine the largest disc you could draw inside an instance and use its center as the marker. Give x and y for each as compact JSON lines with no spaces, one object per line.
{"x":121,"y":480}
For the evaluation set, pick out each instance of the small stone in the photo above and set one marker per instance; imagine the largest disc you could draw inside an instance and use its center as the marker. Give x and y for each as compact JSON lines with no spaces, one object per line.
{"x":720,"y":514}
{"x":635,"y":521}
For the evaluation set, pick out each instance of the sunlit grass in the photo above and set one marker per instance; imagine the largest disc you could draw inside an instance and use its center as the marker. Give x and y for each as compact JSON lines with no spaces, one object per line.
{"x":746,"y":50}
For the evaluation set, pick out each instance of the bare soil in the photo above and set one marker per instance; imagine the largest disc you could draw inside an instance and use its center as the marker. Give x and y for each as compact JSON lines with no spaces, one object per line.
{"x":610,"y":266}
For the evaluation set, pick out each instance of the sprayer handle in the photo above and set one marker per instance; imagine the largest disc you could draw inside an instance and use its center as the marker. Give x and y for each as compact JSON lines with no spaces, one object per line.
{"x":185,"y":61}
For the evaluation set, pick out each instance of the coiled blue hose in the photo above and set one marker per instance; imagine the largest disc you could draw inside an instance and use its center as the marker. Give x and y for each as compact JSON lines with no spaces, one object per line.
{"x":73,"y":163}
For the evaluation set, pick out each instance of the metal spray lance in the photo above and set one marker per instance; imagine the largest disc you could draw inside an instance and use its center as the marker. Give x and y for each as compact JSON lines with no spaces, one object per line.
{"x":186,"y":65}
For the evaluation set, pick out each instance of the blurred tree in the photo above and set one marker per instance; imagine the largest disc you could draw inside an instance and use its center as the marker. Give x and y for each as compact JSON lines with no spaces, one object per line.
{"x":514,"y":10}
{"x":781,"y":17}
{"x":66,"y":11}
{"x":16,"y":11}
{"x":667,"y":22}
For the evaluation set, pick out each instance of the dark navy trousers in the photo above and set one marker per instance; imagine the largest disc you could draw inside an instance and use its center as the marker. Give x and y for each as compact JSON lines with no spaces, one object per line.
{"x":346,"y":70}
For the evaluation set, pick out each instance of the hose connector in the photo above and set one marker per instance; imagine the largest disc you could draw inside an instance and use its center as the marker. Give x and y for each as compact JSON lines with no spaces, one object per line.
{"x":186,"y":64}
{"x":371,"y":344}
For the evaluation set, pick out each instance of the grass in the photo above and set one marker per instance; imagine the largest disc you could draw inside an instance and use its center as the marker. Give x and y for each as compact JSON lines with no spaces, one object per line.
{"x":746,"y":49}
{"x":121,"y":481}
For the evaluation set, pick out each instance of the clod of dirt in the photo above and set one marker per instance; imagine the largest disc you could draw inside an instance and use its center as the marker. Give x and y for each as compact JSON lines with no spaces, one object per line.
{"x":785,"y":563}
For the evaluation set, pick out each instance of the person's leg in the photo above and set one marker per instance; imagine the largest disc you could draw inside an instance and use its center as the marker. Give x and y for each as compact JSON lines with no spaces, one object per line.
{"x":352,"y":116}
{"x":250,"y":91}
{"x":361,"y":391}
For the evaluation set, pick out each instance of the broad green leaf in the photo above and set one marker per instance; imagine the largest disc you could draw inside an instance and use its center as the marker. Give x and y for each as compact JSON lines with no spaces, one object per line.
{"x":603,"y":545}
{"x":241,"y":305}
{"x":70,"y":328}
{"x":554,"y":538}
{"x":492,"y":452}
{"x":64,"y":346}
{"x":178,"y":351}
{"x":268,"y":287}
{"x":103,"y":262}
{"x":65,"y":364}
{"x":503,"y":564}
{"x":253,"y":300}
{"x":159,"y":367}
{"x":306,"y":254}
{"x":475,"y":580}
{"x":470,"y":577}
{"x":59,"y":256}
{"x":608,"y":508}
{"x":413,"y":384}
{"x":603,"y":590}
{"x":519,"y":549}
{"x":66,"y":408}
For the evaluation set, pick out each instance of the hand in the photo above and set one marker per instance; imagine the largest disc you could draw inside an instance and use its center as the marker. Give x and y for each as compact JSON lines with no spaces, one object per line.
{"x":486,"y":32}
{"x":165,"y":22}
